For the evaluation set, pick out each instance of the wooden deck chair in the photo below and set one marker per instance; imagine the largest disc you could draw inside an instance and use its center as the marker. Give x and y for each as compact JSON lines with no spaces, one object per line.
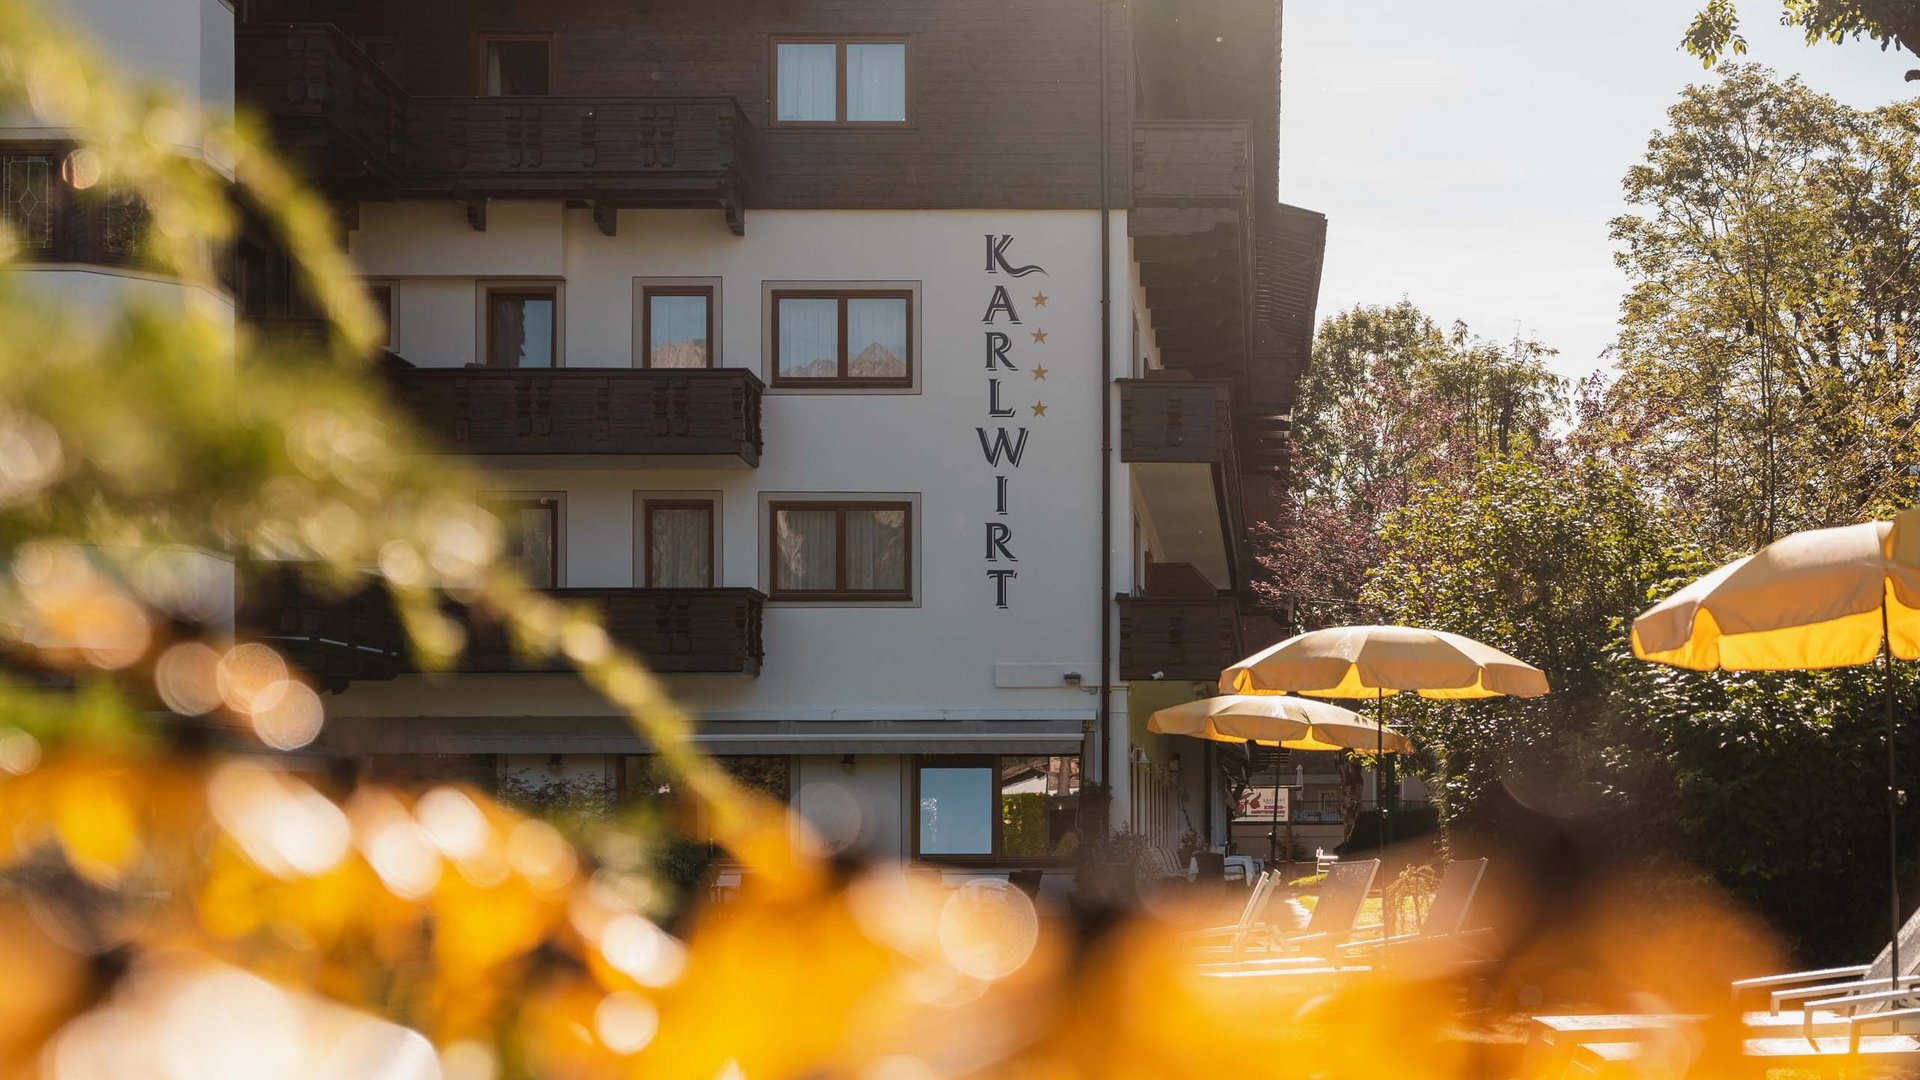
{"x":1329,"y":925}
{"x":1447,"y":914}
{"x":1233,"y":936}
{"x":1833,"y":1002}
{"x":1764,"y":1055}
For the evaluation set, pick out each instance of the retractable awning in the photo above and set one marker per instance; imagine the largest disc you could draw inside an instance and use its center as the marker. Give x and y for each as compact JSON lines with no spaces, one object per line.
{"x":610,"y":735}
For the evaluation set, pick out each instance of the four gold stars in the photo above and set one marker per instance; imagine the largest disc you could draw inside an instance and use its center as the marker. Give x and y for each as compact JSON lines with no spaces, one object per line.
{"x":1040,"y":373}
{"x":1039,"y":337}
{"x":1039,"y":408}
{"x":1039,"y":299}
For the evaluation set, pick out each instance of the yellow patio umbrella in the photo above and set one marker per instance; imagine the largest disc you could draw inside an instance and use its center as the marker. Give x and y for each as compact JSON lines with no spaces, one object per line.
{"x":1823,"y":598}
{"x":1296,"y":723}
{"x":1375,"y":661}
{"x":1275,"y":720}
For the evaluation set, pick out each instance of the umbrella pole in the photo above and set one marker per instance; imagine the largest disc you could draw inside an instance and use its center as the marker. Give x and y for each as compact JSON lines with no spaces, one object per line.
{"x":1893,"y":801}
{"x":1380,"y":798}
{"x":1273,"y":830}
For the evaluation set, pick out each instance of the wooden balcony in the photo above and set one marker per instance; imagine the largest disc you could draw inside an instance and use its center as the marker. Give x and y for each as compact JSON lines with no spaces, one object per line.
{"x":1177,"y":420}
{"x":1183,"y":640}
{"x":606,"y":153}
{"x":363,"y":136}
{"x":1191,"y":163}
{"x":1190,"y":422}
{"x":330,"y":105}
{"x":652,"y":411}
{"x":340,"y":640}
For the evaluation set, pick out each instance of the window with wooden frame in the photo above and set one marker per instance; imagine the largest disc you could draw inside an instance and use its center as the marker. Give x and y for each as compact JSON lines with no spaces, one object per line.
{"x":648,"y":785}
{"x":516,"y":65}
{"x":530,"y":536}
{"x":676,"y":323}
{"x":56,"y":209}
{"x":841,"y":551}
{"x":842,"y":337}
{"x":678,"y":534}
{"x":523,"y":326}
{"x":835,"y":81}
{"x":985,"y":807}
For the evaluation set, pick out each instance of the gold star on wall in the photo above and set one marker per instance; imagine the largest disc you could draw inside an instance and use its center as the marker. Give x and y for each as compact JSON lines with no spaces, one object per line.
{"x":1039,"y":408}
{"x":1040,"y":299}
{"x":1039,"y":337}
{"x":1040,"y":373}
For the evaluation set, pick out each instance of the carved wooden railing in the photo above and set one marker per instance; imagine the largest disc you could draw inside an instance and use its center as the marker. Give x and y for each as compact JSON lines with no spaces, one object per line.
{"x":1184,"y":640}
{"x":337,"y":640}
{"x":1200,"y":162}
{"x":681,"y":411}
{"x":310,"y":75}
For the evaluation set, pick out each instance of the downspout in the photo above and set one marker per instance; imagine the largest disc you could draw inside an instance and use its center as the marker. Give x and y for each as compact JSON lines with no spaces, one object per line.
{"x":1104,"y":711}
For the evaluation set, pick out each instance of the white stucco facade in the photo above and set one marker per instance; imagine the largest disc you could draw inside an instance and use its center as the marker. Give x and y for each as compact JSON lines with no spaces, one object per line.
{"x":951,"y":652}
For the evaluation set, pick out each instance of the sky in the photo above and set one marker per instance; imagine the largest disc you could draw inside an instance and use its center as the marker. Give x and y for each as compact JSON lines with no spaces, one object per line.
{"x":1468,"y":153}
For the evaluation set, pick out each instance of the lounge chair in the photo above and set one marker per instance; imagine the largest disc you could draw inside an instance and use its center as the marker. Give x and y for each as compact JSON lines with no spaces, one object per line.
{"x":1328,"y":927}
{"x":1233,"y":936}
{"x":1835,"y":1002}
{"x":1446,"y":923}
{"x":1766,"y":1054}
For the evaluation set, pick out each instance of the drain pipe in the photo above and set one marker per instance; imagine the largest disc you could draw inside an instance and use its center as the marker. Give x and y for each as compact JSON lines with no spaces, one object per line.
{"x":1104,"y":713}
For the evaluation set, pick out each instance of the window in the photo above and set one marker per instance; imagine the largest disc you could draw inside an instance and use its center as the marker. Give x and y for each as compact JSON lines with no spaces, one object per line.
{"x":677,"y":326}
{"x":522,"y":327}
{"x":1022,"y":807}
{"x":842,"y":338}
{"x":514,"y":65}
{"x":381,"y":293}
{"x":530,"y":536}
{"x":27,"y":183}
{"x":679,"y":538}
{"x":841,"y":551}
{"x":834,"y":82}
{"x":647,"y":785}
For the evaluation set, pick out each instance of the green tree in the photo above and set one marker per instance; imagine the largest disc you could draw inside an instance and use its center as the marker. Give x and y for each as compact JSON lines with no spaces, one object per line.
{"x":1390,"y":401}
{"x":1766,"y":359}
{"x":1715,"y":31}
{"x":1541,"y":556}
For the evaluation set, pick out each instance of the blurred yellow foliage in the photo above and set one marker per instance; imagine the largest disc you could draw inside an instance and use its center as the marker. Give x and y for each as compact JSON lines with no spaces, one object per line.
{"x":174,"y":907}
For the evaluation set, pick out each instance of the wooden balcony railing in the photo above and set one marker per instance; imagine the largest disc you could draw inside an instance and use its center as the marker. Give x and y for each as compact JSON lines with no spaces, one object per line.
{"x":1176,"y":420}
{"x":679,"y":411}
{"x":1191,"y":162}
{"x":339,"y":640}
{"x":1181,"y":640}
{"x":1190,"y":421}
{"x":366,"y":137}
{"x":656,"y":152}
{"x":327,"y":99}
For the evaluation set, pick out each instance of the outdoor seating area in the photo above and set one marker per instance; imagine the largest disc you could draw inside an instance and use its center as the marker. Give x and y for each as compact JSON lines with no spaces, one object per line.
{"x":1801,"y":601}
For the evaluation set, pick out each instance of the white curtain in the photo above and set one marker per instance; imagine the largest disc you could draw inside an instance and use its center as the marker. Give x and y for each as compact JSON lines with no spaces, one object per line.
{"x":806,"y":548}
{"x":809,"y":338}
{"x":681,"y":556}
{"x":877,"y":81}
{"x":877,"y":338}
{"x":677,"y":329}
{"x":496,"y":80}
{"x":529,"y":541}
{"x":803,"y":80}
{"x":876,"y":549}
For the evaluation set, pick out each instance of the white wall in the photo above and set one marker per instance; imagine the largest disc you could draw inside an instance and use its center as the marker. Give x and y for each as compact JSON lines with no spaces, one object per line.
{"x":184,"y":47}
